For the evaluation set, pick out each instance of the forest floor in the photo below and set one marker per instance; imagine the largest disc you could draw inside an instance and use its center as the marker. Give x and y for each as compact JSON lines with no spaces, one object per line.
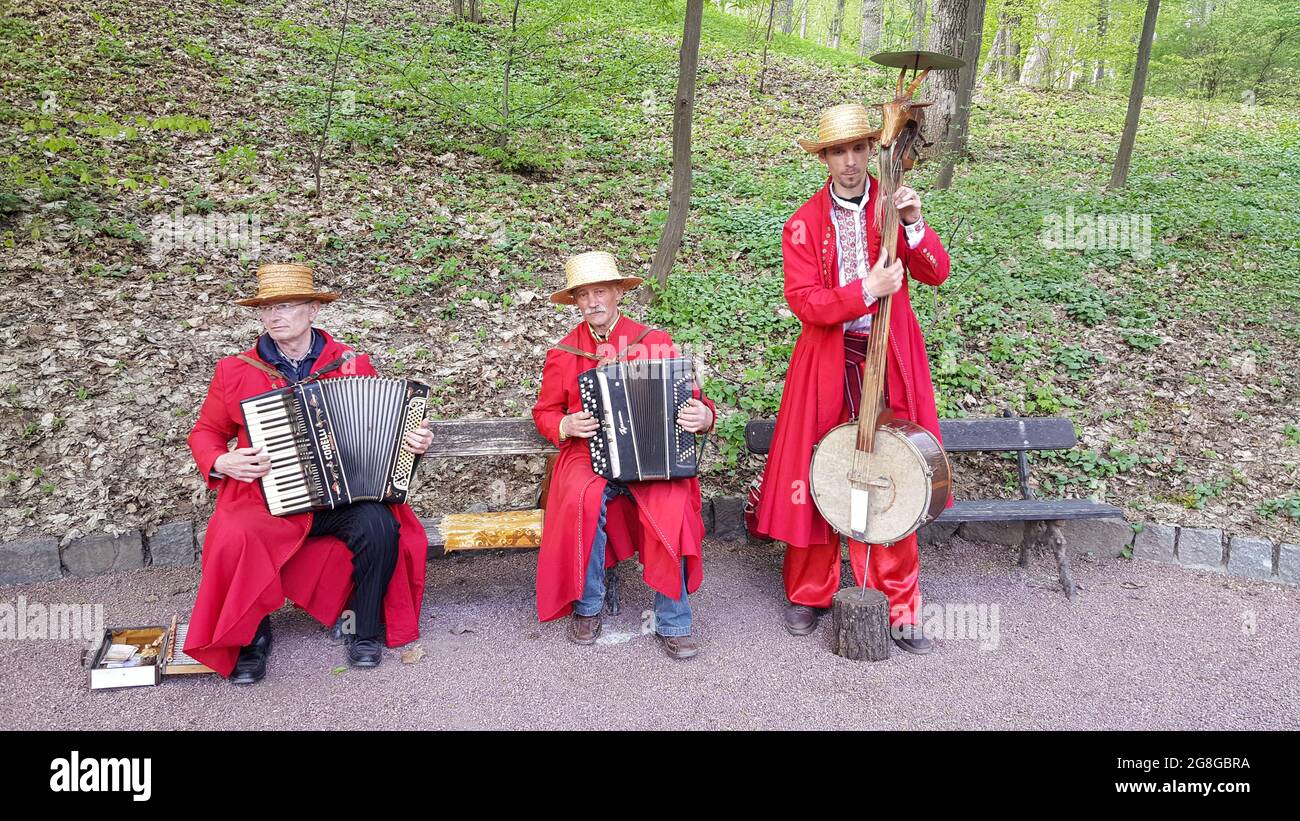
{"x":1173,"y":355}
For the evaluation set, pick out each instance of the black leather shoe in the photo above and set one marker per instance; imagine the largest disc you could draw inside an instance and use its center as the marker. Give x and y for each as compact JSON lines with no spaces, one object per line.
{"x":801,"y":620}
{"x":909,"y":639}
{"x":250,"y":667}
{"x":364,"y":652}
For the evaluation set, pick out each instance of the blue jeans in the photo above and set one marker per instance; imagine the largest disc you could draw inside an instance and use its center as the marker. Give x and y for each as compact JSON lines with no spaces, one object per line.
{"x":672,"y":616}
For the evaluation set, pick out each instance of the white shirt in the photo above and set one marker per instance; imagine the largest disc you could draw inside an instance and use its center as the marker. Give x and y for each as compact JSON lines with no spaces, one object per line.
{"x":857,"y":267}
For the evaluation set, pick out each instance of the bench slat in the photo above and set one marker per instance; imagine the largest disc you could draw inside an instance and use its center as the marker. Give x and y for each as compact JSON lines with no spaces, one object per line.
{"x":486,"y":437}
{"x":1027,"y":510}
{"x":965,"y":435}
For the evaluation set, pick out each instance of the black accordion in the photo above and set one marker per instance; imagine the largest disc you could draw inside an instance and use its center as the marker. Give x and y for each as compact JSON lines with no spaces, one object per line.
{"x":336,"y":441}
{"x":636,"y":404}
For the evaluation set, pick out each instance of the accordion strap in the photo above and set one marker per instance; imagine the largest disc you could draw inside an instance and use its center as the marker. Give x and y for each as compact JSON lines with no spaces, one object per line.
{"x":597,"y":358}
{"x":264,"y":368}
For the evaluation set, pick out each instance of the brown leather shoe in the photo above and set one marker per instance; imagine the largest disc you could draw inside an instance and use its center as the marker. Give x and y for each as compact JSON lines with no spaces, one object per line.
{"x":800,"y":619}
{"x":679,"y":647}
{"x":584,"y":629}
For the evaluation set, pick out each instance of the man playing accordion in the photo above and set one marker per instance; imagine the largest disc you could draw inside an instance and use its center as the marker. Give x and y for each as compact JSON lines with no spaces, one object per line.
{"x":591,"y":523}
{"x":367,"y":556}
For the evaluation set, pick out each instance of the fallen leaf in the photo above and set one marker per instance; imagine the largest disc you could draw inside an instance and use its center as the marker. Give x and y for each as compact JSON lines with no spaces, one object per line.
{"x":463,"y":628}
{"x":413,"y":655}
{"x":337,"y":671}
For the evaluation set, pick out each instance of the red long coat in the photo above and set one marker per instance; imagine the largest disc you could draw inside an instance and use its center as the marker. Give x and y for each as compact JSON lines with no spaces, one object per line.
{"x":813,"y":399}
{"x":664,"y":525}
{"x":252,"y":560}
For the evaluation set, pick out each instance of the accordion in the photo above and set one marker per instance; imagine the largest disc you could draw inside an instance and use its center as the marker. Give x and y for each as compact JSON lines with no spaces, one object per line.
{"x":335,"y":441}
{"x":636,"y":404}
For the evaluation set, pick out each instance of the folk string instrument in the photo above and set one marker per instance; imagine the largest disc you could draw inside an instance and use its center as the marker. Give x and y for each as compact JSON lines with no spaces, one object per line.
{"x":881,"y":478}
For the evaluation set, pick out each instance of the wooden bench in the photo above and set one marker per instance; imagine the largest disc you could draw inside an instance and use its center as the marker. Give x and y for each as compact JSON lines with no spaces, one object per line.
{"x":1042,"y":517}
{"x":503,"y":529}
{"x":506,"y":529}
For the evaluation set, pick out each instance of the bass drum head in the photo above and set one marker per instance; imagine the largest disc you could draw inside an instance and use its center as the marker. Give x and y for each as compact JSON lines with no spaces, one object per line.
{"x":895,"y":512}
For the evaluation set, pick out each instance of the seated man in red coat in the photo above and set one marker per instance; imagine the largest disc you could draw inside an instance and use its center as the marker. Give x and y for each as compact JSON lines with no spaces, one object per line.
{"x":832,"y":285}
{"x":367,"y":555}
{"x":587,"y":517}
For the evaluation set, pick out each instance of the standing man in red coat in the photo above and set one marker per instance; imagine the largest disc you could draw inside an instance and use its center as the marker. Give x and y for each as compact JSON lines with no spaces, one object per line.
{"x":587,"y":517}
{"x":832,"y":285}
{"x":366,"y":555}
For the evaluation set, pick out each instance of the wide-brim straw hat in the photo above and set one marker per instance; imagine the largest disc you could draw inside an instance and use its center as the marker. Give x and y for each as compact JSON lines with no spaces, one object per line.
{"x":282,"y":281}
{"x":841,"y":124}
{"x":589,"y":269}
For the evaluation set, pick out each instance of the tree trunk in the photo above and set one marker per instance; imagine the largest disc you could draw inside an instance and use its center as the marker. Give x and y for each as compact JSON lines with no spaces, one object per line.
{"x":918,"y":24}
{"x":1036,"y":71}
{"x":956,"y":137}
{"x":679,"y":201}
{"x":870,"y":41}
{"x":1103,"y":20}
{"x":995,"y":53}
{"x":803,"y":21}
{"x":837,"y":23}
{"x":860,"y":624}
{"x":1119,"y":177}
{"x":947,"y":36}
{"x":787,"y":16}
{"x":762,"y":74}
{"x":1013,"y":50}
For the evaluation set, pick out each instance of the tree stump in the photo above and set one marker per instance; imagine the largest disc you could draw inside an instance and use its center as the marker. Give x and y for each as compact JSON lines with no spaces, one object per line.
{"x":860,"y":624}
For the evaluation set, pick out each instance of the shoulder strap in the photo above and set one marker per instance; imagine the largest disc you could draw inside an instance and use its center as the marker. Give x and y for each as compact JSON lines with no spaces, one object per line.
{"x":592,"y":356}
{"x":348,"y":356}
{"x":573,"y":350}
{"x":264,"y":368}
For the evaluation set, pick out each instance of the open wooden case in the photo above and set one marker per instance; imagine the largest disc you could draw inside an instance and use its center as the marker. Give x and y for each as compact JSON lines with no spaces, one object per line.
{"x":141,"y":656}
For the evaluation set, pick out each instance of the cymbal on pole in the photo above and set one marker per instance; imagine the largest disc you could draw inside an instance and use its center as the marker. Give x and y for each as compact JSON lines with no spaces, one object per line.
{"x":917,"y":60}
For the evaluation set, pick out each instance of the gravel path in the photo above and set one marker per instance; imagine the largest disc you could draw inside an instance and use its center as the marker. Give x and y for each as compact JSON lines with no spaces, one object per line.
{"x":1144,"y":646}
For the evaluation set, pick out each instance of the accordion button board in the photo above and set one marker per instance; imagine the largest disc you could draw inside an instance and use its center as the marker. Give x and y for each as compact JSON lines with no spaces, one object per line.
{"x":636,"y":405}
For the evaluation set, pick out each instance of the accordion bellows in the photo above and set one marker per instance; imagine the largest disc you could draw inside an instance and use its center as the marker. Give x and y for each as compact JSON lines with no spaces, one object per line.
{"x":636,"y":404}
{"x":336,"y":441}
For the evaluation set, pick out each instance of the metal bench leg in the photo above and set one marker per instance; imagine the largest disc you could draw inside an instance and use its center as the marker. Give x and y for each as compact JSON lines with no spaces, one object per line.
{"x":1062,"y":558}
{"x":1033,"y":538}
{"x":612,"y":597}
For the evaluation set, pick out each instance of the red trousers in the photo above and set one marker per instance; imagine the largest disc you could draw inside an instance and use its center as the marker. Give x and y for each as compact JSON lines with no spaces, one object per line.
{"x":812,"y":575}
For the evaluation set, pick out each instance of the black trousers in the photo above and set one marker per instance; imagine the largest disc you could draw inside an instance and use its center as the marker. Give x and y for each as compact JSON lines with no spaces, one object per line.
{"x":370,"y":532}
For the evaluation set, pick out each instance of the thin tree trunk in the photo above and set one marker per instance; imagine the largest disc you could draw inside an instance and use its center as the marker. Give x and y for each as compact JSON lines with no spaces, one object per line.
{"x":679,"y":201}
{"x":918,"y":24}
{"x":959,"y":124}
{"x":787,"y":16}
{"x":1119,"y":177}
{"x":1013,"y":50}
{"x":1103,"y":21}
{"x":869,"y":43}
{"x":803,"y":21}
{"x":837,"y":23}
{"x":503,"y":139}
{"x":762,"y":74}
{"x":329,"y":101}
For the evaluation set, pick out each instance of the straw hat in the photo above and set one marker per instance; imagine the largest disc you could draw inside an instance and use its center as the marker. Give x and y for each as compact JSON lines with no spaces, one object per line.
{"x":841,"y":124}
{"x":285,"y":281}
{"x":589,"y":269}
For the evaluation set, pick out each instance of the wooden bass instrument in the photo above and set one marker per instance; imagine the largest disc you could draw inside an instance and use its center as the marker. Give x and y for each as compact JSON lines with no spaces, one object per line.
{"x":881,"y":478}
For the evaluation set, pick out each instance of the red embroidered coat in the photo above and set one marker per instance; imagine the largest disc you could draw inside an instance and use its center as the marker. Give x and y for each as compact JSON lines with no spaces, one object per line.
{"x":813,"y":399}
{"x":252,"y":560}
{"x":664,"y":526}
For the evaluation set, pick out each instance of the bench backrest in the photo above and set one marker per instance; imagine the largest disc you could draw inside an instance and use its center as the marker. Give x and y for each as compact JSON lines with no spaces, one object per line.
{"x":486,"y":437}
{"x":965,"y":435}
